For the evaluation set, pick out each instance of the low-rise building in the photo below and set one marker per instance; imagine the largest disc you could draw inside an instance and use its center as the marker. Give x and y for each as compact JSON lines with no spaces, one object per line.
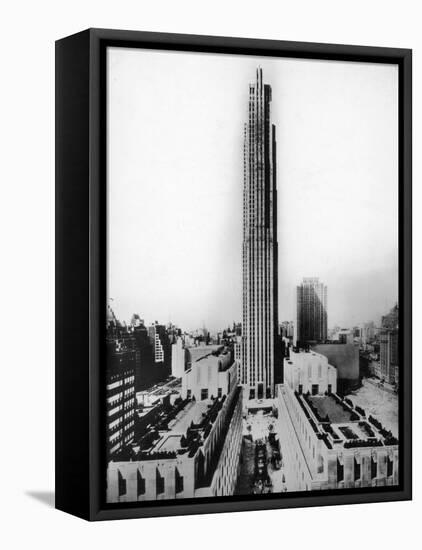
{"x":193,"y":448}
{"x":309,"y":372}
{"x":328,"y":443}
{"x":211,"y":375}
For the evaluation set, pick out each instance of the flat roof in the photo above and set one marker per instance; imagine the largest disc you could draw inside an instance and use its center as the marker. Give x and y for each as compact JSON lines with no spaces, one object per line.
{"x":346,"y":425}
{"x":168,"y":443}
{"x":327,"y":405}
{"x":191,"y":413}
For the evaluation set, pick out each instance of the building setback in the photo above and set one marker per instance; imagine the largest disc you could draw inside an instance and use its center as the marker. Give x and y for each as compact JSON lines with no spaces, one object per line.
{"x":311,"y":311}
{"x":260,"y":292}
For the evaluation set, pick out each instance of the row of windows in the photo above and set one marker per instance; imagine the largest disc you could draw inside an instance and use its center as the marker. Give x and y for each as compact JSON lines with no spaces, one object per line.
{"x":141,"y":485}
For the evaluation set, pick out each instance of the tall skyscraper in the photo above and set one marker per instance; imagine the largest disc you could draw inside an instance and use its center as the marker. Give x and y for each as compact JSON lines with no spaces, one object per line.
{"x":260,"y":249}
{"x":389,"y":346}
{"x":311,"y":311}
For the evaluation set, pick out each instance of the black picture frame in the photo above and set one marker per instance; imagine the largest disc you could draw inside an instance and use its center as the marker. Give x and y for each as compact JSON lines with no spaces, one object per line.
{"x":81,"y":273}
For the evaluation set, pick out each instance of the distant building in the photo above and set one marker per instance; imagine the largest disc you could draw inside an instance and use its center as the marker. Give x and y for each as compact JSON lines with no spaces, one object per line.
{"x":151,"y":347}
{"x":120,"y":398}
{"x":237,"y":348}
{"x":389,"y":359}
{"x":389,"y":346}
{"x":146,"y":373}
{"x":345,"y":336}
{"x":328,"y":443}
{"x":367,"y":334}
{"x":178,"y":358}
{"x":161,"y":347}
{"x":311,"y":311}
{"x":287,"y":329}
{"x":391,"y":320}
{"x":237,"y":329}
{"x":191,"y":449}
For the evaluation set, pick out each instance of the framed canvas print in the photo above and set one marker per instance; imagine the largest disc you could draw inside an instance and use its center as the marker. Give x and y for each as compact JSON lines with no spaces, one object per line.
{"x":233,"y":274}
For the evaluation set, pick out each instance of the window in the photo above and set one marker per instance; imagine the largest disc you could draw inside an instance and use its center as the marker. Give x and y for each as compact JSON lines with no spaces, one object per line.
{"x":189,"y":394}
{"x":178,"y":481}
{"x":389,"y":467}
{"x":140,"y":484}
{"x":121,"y":483}
{"x":374,"y":468}
{"x":219,"y":392}
{"x":340,"y":471}
{"x":357,"y":470}
{"x":204,"y":394}
{"x":159,"y":483}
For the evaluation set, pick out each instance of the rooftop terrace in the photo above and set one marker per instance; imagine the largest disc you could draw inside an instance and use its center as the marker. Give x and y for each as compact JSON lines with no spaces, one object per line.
{"x":327,"y":405}
{"x":181,"y":429}
{"x":338,"y":422}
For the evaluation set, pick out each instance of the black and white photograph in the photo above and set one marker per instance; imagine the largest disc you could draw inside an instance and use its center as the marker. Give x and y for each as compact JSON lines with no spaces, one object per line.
{"x":252,"y":328}
{"x":210,"y":237}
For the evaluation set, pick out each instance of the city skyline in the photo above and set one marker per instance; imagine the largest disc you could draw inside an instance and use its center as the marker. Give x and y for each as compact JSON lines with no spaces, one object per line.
{"x":353,"y":250}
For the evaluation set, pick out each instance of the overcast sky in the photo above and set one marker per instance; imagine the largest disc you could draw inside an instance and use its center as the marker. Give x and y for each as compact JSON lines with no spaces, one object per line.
{"x":175,"y":176}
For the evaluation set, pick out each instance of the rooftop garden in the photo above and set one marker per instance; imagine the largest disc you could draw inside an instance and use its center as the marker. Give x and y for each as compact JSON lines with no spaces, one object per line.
{"x":352,"y":443}
{"x":348,"y":432}
{"x":389,"y":439}
{"x":366,"y":428}
{"x":329,"y":409}
{"x":329,"y":430}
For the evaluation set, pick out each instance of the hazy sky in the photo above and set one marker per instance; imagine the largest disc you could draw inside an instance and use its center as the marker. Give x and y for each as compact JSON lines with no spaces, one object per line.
{"x":175,"y":177}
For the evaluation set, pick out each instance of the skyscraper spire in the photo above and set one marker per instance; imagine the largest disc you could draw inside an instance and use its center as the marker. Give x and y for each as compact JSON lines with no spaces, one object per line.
{"x":260,"y":284}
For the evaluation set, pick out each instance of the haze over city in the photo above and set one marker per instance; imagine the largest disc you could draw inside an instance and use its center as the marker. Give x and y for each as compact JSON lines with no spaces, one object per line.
{"x":176,"y":180}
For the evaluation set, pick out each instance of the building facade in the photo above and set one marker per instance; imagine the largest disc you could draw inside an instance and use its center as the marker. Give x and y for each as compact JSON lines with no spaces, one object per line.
{"x":260,"y":249}
{"x":178,"y":358}
{"x":120,"y":398}
{"x":328,"y":443}
{"x":389,"y":355}
{"x":191,"y":449}
{"x":311,"y":311}
{"x":211,"y":375}
{"x":310,"y":372}
{"x":389,"y":347}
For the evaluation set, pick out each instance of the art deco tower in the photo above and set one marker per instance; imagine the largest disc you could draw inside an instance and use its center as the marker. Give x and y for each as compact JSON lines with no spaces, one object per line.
{"x":260,"y":285}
